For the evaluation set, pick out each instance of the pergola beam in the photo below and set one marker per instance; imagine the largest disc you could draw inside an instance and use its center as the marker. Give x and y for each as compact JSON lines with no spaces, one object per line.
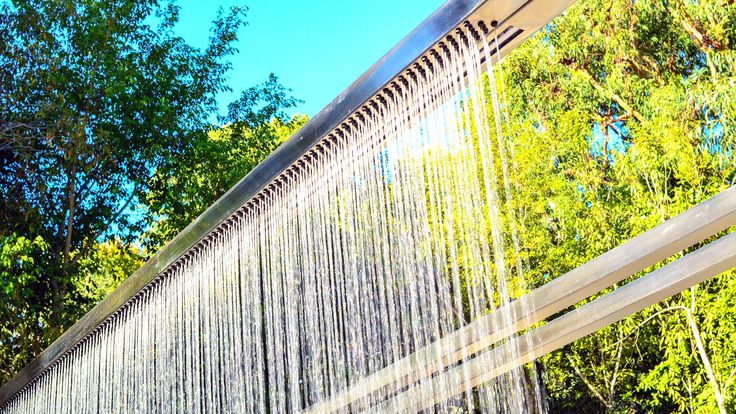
{"x":704,"y":263}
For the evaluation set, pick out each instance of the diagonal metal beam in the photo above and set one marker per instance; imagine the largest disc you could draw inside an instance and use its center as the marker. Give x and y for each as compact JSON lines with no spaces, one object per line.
{"x":706,"y":262}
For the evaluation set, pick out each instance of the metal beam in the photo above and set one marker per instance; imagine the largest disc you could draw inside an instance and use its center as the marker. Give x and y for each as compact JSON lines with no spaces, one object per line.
{"x":527,"y":15}
{"x":704,"y":263}
{"x":686,"y":229}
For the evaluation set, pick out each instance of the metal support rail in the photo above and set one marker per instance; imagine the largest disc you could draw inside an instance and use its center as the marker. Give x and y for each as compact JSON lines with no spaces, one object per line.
{"x":674,"y":277}
{"x":651,"y":247}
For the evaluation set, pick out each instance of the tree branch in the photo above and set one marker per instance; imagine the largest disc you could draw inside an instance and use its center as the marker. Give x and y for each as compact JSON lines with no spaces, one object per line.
{"x":700,"y":347}
{"x":696,"y":30}
{"x":704,"y":355}
{"x":112,"y":220}
{"x":704,"y":42}
{"x":72,"y":195}
{"x":612,"y":387}
{"x":607,"y":92}
{"x":730,"y":378}
{"x":587,"y":382}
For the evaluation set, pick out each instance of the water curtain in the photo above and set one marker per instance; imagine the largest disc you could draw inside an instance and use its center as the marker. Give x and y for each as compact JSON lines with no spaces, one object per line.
{"x":395,"y":230}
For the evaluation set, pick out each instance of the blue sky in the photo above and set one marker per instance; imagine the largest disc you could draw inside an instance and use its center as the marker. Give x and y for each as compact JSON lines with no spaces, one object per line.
{"x":315,"y":48}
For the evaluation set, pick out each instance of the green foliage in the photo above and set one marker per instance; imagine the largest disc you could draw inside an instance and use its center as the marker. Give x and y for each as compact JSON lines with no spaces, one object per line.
{"x":622,"y":115}
{"x":107,"y":265}
{"x":23,"y":293}
{"x":182,"y":189}
{"x":94,"y":99}
{"x":102,"y":105}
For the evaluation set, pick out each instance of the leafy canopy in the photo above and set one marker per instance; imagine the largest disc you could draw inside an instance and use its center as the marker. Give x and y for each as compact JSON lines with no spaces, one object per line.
{"x":101,"y":105}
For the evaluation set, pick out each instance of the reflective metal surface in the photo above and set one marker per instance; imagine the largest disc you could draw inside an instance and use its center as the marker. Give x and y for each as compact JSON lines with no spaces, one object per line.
{"x":700,"y":265}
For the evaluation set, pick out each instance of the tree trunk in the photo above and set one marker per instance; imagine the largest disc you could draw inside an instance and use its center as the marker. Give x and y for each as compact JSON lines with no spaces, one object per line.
{"x":703,"y":355}
{"x":71,"y":191}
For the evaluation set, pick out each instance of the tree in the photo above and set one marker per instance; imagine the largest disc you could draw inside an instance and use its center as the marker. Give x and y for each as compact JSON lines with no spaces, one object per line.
{"x":183,"y":187}
{"x":104,"y":268}
{"x":93,"y":100}
{"x":97,"y":101}
{"x":621,"y":114}
{"x":23,"y":298}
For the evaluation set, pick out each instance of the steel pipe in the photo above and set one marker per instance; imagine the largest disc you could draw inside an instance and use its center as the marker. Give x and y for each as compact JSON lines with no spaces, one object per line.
{"x":674,"y":277}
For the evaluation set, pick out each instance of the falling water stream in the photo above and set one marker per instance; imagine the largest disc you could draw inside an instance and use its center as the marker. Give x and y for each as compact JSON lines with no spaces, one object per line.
{"x":393,"y":232}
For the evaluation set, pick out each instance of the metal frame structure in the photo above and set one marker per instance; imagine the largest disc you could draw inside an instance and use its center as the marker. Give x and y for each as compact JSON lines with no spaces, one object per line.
{"x":514,"y":21}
